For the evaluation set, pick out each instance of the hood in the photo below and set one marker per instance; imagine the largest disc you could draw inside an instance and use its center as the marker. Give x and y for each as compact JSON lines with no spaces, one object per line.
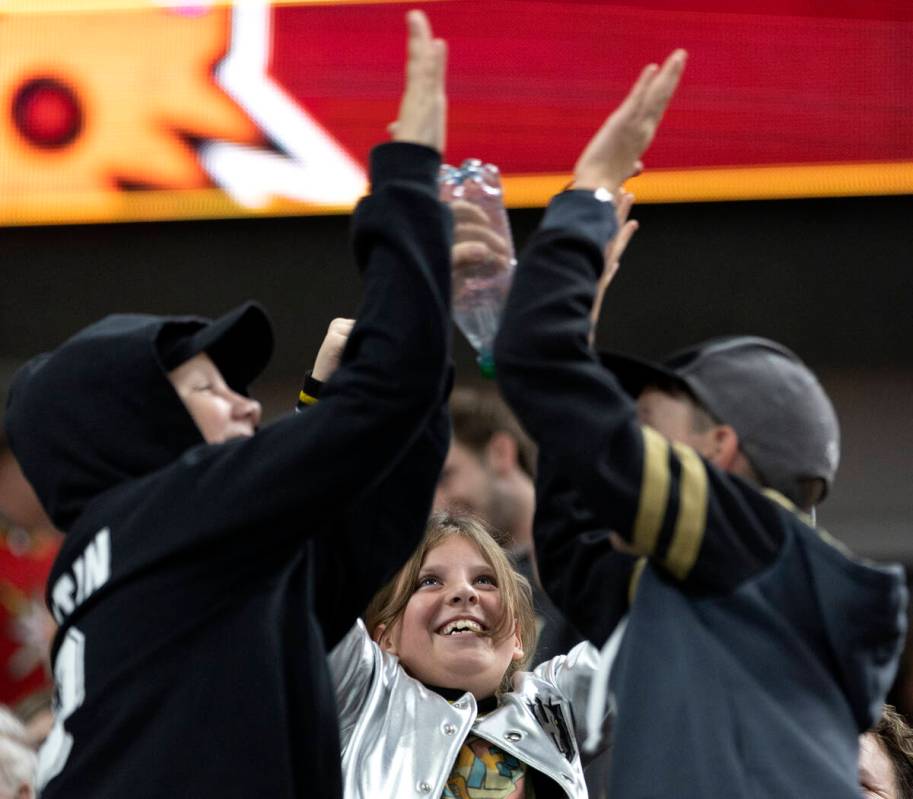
{"x":100,"y":410}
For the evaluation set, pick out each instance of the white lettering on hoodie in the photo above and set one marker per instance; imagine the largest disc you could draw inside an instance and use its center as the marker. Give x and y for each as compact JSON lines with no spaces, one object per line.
{"x":89,"y":572}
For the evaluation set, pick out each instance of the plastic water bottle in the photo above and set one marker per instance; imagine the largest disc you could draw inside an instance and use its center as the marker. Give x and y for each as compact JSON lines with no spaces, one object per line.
{"x":480,"y":289}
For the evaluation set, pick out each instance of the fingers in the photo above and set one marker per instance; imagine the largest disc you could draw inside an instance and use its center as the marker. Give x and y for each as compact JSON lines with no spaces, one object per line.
{"x":334,"y":343}
{"x":613,"y":252}
{"x":439,"y":58}
{"x":608,"y":273}
{"x":624,"y":201}
{"x":438,"y":62}
{"x":417,"y":43}
{"x":467,"y":212}
{"x":423,"y":109}
{"x":638,"y":91}
{"x":471,"y":225}
{"x":618,"y":246}
{"x":619,"y":544}
{"x":422,"y":58}
{"x":426,"y":57}
{"x":483,"y":234}
{"x":341,"y":327}
{"x":661,"y":88}
{"x":615,"y":151}
{"x":469,"y":253}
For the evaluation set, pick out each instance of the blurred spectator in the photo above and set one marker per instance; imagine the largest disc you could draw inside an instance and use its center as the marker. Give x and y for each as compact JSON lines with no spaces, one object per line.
{"x":886,"y":758}
{"x":490,"y":466}
{"x":28,"y":546}
{"x":17,"y":761}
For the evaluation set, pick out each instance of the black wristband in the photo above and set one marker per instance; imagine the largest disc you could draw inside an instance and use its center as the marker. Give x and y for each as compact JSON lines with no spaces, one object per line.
{"x":310,"y":391}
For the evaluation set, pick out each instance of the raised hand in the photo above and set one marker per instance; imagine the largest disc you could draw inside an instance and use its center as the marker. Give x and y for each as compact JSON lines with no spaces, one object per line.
{"x":613,"y":252}
{"x":423,"y":110}
{"x":613,"y":154}
{"x":331,"y":350}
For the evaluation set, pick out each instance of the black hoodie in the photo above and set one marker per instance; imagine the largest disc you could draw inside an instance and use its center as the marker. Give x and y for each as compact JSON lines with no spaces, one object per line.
{"x":199,"y":585}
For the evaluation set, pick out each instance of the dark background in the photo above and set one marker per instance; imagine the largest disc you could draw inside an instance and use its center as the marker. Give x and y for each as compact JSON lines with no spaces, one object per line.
{"x":830,"y":278}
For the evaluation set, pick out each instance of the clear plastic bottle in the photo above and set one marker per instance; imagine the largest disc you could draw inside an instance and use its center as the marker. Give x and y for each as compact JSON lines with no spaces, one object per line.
{"x":480,"y":289}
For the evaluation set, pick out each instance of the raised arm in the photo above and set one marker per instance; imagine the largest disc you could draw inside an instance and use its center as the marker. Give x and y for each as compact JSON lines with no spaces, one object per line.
{"x":661,"y":499}
{"x":296,"y":475}
{"x":547,"y":320}
{"x":376,"y":535}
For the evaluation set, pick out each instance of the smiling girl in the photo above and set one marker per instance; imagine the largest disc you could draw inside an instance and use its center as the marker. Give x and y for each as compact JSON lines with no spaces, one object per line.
{"x":434,"y":702}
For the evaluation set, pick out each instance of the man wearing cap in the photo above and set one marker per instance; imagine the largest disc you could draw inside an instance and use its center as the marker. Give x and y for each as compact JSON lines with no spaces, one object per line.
{"x":207,"y":565}
{"x":744,"y":650}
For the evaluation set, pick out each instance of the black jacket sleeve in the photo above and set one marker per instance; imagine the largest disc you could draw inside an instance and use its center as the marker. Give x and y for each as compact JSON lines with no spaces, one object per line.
{"x":698,"y":525}
{"x":299,"y":475}
{"x":377,"y":534}
{"x":581,"y":572}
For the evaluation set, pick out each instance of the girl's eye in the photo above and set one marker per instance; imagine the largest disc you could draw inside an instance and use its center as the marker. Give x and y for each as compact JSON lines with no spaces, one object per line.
{"x":486,"y":579}
{"x":428,"y":579}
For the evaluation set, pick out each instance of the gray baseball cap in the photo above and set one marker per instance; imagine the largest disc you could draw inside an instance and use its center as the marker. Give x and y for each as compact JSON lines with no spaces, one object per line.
{"x":786,"y":424}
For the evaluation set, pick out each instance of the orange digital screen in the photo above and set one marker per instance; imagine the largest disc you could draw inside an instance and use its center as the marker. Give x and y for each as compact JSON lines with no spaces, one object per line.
{"x":125,"y":110}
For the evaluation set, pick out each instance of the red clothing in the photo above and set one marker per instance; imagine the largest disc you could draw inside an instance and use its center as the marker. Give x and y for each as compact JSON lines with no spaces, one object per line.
{"x":26,"y":627}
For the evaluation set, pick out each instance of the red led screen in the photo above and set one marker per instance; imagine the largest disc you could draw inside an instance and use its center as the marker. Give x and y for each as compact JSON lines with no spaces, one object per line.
{"x":222,"y":109}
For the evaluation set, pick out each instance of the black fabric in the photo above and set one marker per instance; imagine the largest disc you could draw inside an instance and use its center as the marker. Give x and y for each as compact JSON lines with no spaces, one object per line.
{"x":747,"y":671}
{"x":312,"y":386}
{"x":586,"y":426}
{"x":635,"y":374}
{"x":767,"y":688}
{"x":556,"y":635}
{"x":485,"y":705}
{"x":240,"y":343}
{"x":199,"y":586}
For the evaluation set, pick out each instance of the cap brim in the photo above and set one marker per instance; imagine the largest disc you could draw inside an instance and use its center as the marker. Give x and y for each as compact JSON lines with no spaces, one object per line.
{"x":635,"y":374}
{"x":240,"y":343}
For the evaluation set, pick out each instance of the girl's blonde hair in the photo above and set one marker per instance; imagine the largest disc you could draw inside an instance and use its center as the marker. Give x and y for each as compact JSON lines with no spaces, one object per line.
{"x":389,"y":604}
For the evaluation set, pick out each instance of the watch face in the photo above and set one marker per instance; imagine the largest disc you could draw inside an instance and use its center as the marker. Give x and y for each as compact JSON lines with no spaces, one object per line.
{"x":603,"y":195}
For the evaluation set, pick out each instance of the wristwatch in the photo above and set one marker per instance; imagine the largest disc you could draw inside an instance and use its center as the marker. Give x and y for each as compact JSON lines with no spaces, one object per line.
{"x":601,"y":193}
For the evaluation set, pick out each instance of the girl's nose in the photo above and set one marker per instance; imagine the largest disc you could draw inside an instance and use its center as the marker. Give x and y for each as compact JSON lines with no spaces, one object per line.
{"x":464,"y":593}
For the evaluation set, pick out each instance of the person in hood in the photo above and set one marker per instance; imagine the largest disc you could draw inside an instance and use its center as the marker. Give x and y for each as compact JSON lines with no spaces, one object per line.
{"x":208,"y":565}
{"x":744,"y":649}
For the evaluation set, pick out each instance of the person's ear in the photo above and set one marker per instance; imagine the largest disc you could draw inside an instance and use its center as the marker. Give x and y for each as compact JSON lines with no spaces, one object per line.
{"x":518,"y":652}
{"x":385,"y":642}
{"x":724,"y":447}
{"x":501,"y":453}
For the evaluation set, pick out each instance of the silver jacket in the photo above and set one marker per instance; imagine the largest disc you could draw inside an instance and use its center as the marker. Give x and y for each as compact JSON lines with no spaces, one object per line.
{"x":400,"y":739}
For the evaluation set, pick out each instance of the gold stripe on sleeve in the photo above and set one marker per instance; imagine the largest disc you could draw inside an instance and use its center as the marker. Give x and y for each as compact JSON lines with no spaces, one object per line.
{"x":654,"y":492}
{"x":692,"y":513}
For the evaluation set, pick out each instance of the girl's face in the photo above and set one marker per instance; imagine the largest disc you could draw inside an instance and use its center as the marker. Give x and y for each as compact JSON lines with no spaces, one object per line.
{"x":443,"y":637}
